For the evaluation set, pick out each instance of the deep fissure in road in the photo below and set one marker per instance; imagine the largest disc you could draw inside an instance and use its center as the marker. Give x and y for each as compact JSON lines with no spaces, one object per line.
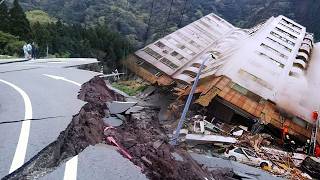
{"x":141,"y":135}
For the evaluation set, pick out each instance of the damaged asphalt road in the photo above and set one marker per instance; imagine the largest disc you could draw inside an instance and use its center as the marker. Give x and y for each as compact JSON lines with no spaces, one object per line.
{"x":141,"y":136}
{"x":49,"y":97}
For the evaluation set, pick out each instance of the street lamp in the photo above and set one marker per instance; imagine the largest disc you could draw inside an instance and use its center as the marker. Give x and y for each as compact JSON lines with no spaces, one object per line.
{"x":187,"y":105}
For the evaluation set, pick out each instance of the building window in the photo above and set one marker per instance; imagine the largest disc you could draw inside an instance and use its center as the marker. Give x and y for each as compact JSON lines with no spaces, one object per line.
{"x":168,"y":63}
{"x":152,"y":53}
{"x":246,"y":75}
{"x":282,"y":38}
{"x":286,"y":33}
{"x":274,"y":50}
{"x":297,"y":65}
{"x":193,"y":43}
{"x":273,"y":60}
{"x":283,"y":46}
{"x":290,"y":24}
{"x":182,"y":47}
{"x":174,"y":54}
{"x":160,"y":44}
{"x":289,"y":28}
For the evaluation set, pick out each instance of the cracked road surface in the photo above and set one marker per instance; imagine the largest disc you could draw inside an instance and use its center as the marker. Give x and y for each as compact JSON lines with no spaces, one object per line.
{"x":49,"y":88}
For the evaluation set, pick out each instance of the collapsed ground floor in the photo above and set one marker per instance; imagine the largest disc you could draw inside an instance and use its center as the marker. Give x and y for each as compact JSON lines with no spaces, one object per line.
{"x":228,"y":101}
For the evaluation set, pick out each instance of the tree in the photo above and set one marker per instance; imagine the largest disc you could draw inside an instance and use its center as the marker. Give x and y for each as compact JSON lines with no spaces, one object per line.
{"x":4,"y":16}
{"x":19,"y":24}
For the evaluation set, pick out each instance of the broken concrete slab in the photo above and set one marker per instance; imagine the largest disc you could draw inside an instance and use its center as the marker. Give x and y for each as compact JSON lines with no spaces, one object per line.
{"x":122,"y":117}
{"x":238,"y":133}
{"x":113,"y":121}
{"x":177,"y":157}
{"x":117,"y":107}
{"x":147,"y":92}
{"x":182,"y":132}
{"x":210,"y":138}
{"x":134,"y":109}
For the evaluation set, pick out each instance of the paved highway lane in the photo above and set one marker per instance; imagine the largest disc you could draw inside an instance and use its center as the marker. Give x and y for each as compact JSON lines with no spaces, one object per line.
{"x":49,"y":97}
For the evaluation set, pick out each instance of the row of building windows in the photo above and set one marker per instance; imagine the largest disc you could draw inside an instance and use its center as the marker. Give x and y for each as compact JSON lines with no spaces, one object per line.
{"x":272,"y":60}
{"x":166,"y":50}
{"x":286,"y":33}
{"x":283,"y":46}
{"x":274,"y":50}
{"x":254,"y":78}
{"x":289,"y":28}
{"x":290,"y":24}
{"x":168,"y":63}
{"x":157,"y":56}
{"x":152,"y":53}
{"x":282,"y":38}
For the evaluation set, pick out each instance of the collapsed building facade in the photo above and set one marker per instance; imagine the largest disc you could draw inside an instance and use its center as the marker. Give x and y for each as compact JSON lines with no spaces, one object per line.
{"x":267,"y":72}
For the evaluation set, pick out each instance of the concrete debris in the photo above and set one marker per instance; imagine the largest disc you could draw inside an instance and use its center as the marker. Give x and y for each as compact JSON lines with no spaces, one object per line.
{"x":134,"y":109}
{"x":198,"y":127}
{"x":157,"y":144}
{"x":238,"y":133}
{"x":243,"y":128}
{"x":112,"y":121}
{"x":254,"y":141}
{"x":147,"y":92}
{"x":177,"y":156}
{"x":120,"y":116}
{"x":118,"y":107}
{"x":198,"y":138}
{"x":182,"y":131}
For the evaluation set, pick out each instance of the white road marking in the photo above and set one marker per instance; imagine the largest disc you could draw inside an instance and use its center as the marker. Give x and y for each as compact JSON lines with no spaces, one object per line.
{"x":21,"y":149}
{"x":62,"y":78}
{"x":70,"y":171}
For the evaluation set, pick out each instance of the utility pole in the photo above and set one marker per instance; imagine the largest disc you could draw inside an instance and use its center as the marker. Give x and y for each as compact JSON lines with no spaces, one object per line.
{"x":314,"y":132}
{"x":187,"y":105}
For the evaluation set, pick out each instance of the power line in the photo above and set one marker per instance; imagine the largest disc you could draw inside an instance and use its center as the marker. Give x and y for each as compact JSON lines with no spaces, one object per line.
{"x":149,"y":21}
{"x":182,"y":13}
{"x":169,"y":14}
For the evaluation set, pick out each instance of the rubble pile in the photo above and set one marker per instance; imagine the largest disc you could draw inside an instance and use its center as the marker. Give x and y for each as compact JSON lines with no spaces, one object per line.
{"x":214,"y":138}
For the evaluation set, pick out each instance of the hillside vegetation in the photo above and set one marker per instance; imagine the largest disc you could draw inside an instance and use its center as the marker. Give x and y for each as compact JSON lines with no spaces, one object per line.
{"x":132,"y":17}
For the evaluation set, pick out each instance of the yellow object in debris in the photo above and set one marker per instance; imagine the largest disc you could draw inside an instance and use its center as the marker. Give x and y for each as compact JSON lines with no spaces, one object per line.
{"x":266,"y":168}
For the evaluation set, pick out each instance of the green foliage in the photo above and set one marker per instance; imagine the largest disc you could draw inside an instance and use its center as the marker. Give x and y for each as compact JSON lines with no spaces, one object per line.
{"x":130,"y":17}
{"x":4,"y":17}
{"x":19,"y":24}
{"x":39,"y":16}
{"x":77,"y":41}
{"x":129,"y":89}
{"x":10,"y":45}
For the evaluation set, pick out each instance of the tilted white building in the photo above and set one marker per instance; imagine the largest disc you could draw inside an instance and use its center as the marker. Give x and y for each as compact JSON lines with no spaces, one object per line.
{"x":272,"y":60}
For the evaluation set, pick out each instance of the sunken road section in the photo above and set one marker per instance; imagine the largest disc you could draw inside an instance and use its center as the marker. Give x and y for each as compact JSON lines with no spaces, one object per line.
{"x":141,"y":136}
